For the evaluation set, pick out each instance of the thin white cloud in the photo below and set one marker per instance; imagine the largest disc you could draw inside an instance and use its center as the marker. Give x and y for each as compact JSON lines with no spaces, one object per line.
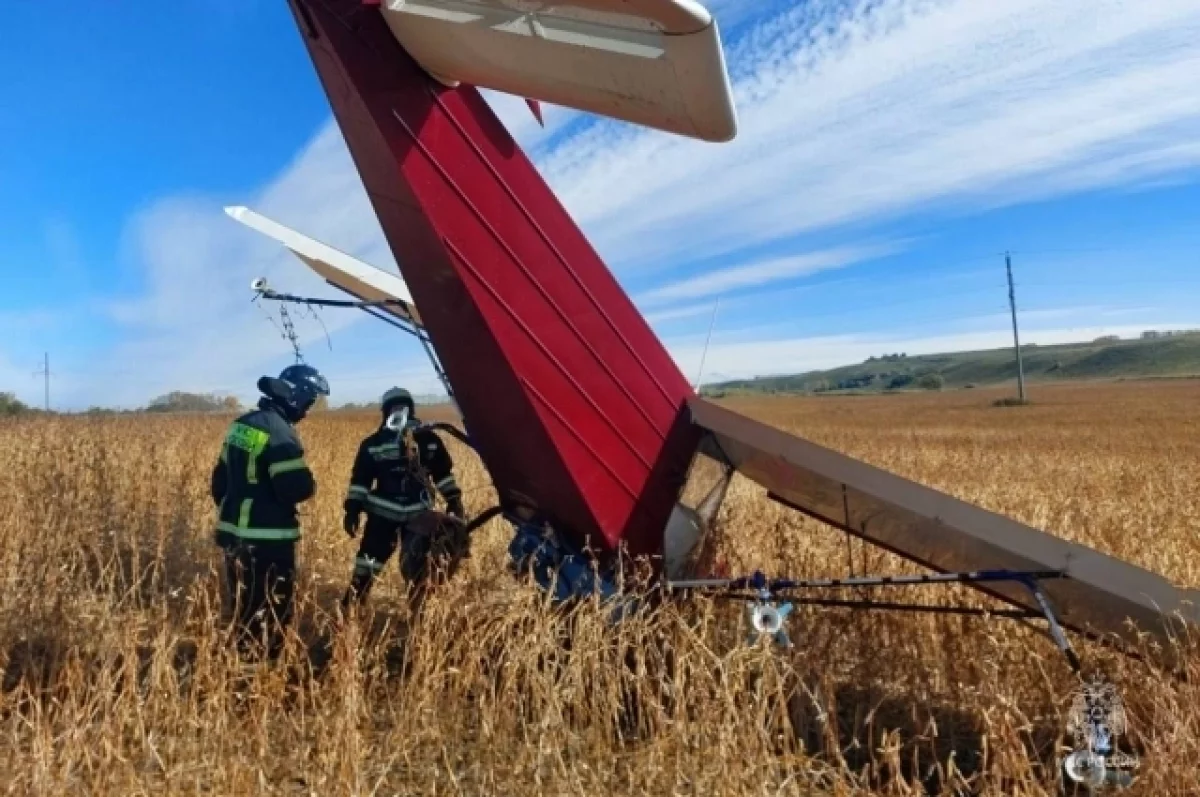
{"x":1119,"y":311}
{"x":194,"y":327}
{"x":675,"y":314}
{"x":1047,"y":314}
{"x":1025,"y":317}
{"x":858,"y":111}
{"x":758,"y":274}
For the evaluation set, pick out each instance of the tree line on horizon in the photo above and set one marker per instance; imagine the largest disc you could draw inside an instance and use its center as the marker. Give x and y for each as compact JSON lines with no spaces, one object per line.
{"x":177,"y":401}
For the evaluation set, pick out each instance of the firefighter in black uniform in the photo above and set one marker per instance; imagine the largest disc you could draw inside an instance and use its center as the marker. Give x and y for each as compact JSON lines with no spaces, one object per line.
{"x":258,"y":481}
{"x":395,"y":475}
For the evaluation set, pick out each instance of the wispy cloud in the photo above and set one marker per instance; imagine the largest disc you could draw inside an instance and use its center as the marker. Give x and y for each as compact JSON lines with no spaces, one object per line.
{"x":677,"y":313}
{"x":759,"y":274}
{"x":863,"y":110}
{"x":1046,"y":314}
{"x":852,"y":113}
{"x":1088,"y":314}
{"x":194,"y":327}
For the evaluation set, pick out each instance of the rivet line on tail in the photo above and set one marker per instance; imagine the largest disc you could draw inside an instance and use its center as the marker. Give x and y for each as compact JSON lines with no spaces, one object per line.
{"x":621,"y":435}
{"x":517,"y":261}
{"x":558,"y":254}
{"x":554,"y":411}
{"x":459,"y":256}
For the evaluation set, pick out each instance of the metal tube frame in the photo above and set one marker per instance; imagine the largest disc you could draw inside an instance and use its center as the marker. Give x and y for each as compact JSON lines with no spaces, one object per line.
{"x":765,"y":589}
{"x":366,"y":306}
{"x":758,"y":588}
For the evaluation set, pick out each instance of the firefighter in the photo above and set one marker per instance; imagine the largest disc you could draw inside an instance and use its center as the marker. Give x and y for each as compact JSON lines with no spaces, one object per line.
{"x":395,"y":475}
{"x":258,"y":481}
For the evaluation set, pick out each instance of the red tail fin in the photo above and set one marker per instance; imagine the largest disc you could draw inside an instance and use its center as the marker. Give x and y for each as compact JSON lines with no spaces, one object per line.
{"x":573,"y":403}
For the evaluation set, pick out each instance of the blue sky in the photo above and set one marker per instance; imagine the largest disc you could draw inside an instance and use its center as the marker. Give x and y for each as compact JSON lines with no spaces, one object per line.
{"x":889,"y":153}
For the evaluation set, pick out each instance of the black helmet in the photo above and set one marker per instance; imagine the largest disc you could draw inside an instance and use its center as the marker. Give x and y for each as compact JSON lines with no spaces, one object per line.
{"x":296,"y":389}
{"x":395,"y":397}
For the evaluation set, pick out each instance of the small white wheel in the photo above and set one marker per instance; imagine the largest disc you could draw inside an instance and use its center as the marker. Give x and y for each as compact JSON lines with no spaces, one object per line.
{"x":1086,"y":768}
{"x":766,"y":619}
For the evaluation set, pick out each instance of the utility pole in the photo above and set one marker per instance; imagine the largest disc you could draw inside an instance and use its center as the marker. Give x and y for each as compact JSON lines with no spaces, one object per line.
{"x":45,"y":372}
{"x":1012,"y":304}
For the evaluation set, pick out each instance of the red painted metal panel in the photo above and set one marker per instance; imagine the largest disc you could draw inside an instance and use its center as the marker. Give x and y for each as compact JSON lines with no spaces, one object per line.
{"x":570,"y":398}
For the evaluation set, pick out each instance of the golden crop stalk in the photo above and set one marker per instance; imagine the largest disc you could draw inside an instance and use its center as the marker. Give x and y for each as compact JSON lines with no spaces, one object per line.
{"x":117,"y":677}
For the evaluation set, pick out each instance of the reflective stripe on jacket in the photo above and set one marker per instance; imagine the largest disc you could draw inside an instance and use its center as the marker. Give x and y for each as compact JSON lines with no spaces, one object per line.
{"x":260,"y":477}
{"x":385,"y":482}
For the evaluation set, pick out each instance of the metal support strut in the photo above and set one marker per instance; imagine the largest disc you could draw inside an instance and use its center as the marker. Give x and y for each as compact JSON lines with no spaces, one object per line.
{"x":767,"y":616}
{"x":1056,"y":631}
{"x":262,"y":290}
{"x":1095,"y":763}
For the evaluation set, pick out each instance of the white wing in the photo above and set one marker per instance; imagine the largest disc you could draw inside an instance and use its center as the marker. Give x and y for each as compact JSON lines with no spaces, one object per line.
{"x":359,"y":279}
{"x":657,"y":63}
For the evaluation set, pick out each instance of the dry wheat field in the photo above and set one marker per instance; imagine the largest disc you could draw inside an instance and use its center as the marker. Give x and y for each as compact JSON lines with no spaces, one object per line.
{"x":118,"y":679}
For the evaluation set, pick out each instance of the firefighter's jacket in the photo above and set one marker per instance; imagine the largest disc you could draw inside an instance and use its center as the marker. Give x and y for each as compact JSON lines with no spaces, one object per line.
{"x":388,"y":481}
{"x":259,"y":479}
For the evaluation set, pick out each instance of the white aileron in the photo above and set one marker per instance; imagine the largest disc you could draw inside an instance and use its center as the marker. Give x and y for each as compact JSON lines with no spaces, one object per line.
{"x":656,"y":63}
{"x":359,"y":279}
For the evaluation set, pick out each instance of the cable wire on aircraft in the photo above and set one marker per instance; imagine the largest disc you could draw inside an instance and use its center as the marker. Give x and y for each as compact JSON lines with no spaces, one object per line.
{"x":587,"y":450}
{"x":264,"y":291}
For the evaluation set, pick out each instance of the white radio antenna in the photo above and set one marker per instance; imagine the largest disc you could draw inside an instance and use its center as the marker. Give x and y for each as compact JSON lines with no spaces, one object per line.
{"x":704,"y":354}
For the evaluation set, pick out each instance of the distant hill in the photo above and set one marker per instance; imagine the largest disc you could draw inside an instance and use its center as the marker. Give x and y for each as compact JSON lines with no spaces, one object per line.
{"x":1161,"y":355}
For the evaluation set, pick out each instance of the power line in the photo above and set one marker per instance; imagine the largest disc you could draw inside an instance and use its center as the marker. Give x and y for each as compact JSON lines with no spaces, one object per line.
{"x":1012,"y":304}
{"x":45,"y":373}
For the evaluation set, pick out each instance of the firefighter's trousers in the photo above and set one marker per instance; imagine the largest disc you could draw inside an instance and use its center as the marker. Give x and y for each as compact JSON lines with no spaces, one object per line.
{"x":260,"y":582}
{"x":422,"y":537}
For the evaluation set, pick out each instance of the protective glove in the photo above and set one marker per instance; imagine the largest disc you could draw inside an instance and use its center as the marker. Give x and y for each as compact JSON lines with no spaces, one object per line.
{"x":350,"y":523}
{"x":454,"y":508}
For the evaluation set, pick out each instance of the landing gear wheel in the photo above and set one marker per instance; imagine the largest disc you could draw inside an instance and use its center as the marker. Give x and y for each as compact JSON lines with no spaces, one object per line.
{"x":768,"y":619}
{"x":1086,"y":768}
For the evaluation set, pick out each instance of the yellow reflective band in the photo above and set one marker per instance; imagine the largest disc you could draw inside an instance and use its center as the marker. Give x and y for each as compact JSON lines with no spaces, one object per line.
{"x":286,"y":466}
{"x":246,"y":437}
{"x":244,"y":513}
{"x":252,"y":462}
{"x":260,"y":534}
{"x":446,"y":482}
{"x":252,"y":441}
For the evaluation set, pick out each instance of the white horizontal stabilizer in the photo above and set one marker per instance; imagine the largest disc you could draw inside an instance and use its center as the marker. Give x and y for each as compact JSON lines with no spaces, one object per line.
{"x":657,"y":63}
{"x":359,"y":279}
